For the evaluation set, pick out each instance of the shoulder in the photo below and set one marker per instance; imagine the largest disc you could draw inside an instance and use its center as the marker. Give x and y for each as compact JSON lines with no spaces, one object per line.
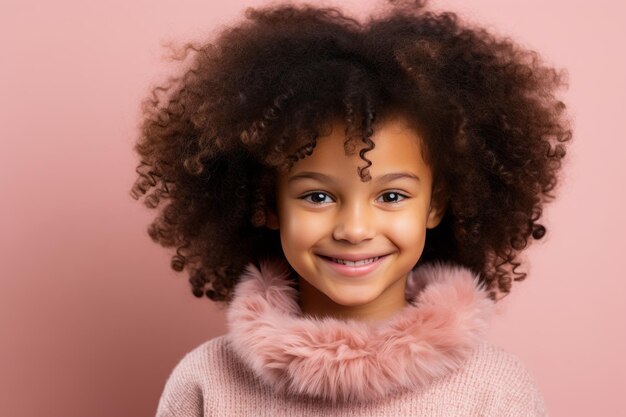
{"x":186,"y":390}
{"x":196,"y":363}
{"x":500,"y":361}
{"x":503,"y":380}
{"x":204,"y":355}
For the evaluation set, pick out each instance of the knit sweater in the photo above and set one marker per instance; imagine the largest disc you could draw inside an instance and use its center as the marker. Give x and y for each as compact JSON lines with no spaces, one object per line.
{"x":430,"y":359}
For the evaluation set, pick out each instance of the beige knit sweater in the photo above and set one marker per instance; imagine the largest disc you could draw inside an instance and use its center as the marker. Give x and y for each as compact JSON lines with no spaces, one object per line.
{"x":429,"y":360}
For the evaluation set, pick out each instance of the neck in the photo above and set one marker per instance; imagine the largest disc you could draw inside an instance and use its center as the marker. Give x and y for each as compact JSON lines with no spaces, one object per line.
{"x":317,"y":304}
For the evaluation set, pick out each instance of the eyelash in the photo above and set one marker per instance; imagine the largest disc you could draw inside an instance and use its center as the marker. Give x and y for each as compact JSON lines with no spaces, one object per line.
{"x":402,"y":196}
{"x":306,"y":197}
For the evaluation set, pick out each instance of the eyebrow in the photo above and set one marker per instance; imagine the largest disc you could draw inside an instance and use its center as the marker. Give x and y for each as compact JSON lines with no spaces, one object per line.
{"x":318,"y":176}
{"x":397,"y":175}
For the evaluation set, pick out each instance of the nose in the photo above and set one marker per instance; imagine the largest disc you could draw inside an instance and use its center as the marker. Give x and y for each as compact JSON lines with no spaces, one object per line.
{"x":354,"y":223}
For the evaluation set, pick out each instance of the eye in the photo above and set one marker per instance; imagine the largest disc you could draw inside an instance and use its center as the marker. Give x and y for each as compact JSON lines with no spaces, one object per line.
{"x":392,"y":197}
{"x":317,"y":198}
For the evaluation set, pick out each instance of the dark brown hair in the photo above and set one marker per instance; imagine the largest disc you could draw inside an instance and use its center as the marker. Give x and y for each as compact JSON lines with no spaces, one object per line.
{"x":255,"y":99}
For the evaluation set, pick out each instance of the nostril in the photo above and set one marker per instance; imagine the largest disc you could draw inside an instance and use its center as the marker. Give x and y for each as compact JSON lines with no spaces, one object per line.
{"x":353,"y":234}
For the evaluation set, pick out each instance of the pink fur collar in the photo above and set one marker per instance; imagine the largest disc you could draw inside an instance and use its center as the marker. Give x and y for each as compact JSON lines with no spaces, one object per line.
{"x":349,"y":360}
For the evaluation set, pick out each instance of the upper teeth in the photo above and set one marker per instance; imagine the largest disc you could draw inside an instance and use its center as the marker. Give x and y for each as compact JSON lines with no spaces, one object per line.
{"x":355,"y":263}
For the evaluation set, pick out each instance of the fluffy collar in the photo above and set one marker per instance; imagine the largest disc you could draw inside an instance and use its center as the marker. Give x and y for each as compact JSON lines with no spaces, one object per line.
{"x":348,"y":360}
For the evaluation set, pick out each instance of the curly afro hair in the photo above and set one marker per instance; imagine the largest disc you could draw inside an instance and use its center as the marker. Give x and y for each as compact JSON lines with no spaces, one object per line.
{"x":255,"y":99}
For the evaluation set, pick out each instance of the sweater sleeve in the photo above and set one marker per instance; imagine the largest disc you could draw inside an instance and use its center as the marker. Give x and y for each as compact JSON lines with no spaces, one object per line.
{"x":523,"y":397}
{"x":182,"y":395}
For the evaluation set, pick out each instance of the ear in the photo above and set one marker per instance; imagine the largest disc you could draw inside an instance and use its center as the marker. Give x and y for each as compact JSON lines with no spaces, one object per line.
{"x":435,"y":214}
{"x":271,"y":219}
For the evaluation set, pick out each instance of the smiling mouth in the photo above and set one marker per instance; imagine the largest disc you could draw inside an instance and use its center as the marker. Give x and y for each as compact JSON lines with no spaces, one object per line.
{"x":355,"y":267}
{"x":355,"y":263}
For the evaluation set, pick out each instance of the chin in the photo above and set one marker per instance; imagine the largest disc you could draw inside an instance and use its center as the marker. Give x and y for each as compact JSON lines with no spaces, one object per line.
{"x":352,"y":300}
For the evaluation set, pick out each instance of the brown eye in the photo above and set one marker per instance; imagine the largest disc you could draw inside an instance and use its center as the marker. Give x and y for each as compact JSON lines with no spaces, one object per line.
{"x":392,"y":197}
{"x":317,"y":198}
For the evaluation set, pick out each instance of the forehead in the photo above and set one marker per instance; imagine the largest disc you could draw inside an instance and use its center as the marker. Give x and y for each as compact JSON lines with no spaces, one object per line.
{"x":397,"y":147}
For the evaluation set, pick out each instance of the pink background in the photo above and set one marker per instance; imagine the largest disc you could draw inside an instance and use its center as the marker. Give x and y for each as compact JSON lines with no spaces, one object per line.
{"x":92,"y":320}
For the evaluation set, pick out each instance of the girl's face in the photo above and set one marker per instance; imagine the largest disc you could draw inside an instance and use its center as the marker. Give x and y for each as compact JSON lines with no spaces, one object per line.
{"x":353,"y":242}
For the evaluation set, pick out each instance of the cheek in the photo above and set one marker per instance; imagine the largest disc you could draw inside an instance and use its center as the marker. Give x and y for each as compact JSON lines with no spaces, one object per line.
{"x":408,"y":232}
{"x":299,"y":228}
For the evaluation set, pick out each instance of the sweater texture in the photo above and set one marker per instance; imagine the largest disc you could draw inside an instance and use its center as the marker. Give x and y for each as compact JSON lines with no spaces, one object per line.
{"x":429,"y":359}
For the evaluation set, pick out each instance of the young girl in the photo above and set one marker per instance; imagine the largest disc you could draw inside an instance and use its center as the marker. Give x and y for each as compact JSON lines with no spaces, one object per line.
{"x":358,"y":195}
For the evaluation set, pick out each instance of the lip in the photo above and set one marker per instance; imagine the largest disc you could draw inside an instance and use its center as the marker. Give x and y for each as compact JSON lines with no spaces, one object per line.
{"x":353,"y":271}
{"x":354,"y":257}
